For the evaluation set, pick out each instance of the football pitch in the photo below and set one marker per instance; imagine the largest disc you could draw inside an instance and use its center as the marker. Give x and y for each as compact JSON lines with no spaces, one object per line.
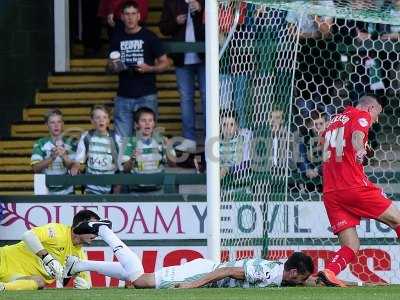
{"x":355,"y":293}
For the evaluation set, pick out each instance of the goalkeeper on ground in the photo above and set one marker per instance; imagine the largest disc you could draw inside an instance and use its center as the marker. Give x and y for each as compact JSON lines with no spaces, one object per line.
{"x":37,"y":260}
{"x":199,"y":272}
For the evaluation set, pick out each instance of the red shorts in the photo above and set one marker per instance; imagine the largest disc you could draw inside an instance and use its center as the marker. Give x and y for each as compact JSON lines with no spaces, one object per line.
{"x":346,"y":208}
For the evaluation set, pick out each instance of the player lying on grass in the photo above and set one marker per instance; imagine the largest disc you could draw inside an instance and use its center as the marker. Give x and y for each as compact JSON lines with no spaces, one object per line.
{"x":196,"y":273}
{"x":37,"y":259}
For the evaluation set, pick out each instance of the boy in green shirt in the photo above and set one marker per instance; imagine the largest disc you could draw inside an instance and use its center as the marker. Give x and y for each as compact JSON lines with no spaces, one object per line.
{"x":148,"y":151}
{"x":54,"y":154}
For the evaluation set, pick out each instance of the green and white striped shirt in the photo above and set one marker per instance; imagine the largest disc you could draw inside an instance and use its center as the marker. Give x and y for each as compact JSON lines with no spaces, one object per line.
{"x":258,"y":273}
{"x":42,"y":149}
{"x":150,"y":156}
{"x":101,"y":157}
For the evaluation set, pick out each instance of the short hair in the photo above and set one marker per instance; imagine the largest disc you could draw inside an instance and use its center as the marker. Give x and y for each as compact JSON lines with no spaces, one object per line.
{"x":315,"y":114}
{"x":84,"y":215}
{"x":228,"y":114}
{"x":52,"y":112}
{"x":128,"y":4}
{"x":144,"y":110}
{"x":301,"y":262}
{"x":99,"y":107}
{"x":368,"y":99}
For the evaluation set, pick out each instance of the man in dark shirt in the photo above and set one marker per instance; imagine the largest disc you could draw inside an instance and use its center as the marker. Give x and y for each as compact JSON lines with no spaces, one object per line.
{"x":140,"y":53}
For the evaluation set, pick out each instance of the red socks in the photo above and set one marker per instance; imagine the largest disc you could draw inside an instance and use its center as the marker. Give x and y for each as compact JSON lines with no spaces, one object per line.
{"x":397,"y":229}
{"x":342,"y":258}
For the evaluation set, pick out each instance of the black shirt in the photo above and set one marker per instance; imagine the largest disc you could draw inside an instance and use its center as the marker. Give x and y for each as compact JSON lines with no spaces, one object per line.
{"x":138,"y":48}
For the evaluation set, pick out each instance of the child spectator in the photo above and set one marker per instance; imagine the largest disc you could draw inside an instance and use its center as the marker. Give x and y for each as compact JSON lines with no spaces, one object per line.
{"x":98,"y":149}
{"x":147,"y":152}
{"x":234,"y":145}
{"x":53,"y":154}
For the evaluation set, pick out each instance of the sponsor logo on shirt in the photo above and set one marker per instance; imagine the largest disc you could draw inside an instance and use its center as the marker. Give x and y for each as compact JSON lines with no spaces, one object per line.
{"x":363,"y":122}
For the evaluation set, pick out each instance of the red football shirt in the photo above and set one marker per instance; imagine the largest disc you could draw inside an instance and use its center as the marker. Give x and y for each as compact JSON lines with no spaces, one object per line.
{"x":340,"y":169}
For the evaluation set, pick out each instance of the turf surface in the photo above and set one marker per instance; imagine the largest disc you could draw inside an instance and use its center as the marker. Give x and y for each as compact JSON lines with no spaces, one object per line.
{"x":363,"y":293}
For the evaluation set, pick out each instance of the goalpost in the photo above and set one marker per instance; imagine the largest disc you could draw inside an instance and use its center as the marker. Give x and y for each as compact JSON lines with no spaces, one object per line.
{"x":284,"y":68}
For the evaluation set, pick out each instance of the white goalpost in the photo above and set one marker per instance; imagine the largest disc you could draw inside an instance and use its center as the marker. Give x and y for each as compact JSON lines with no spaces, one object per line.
{"x":280,"y":70}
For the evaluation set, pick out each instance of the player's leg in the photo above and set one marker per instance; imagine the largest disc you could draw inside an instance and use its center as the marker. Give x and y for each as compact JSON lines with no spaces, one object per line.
{"x":128,"y":267}
{"x":126,"y":257}
{"x":343,"y":223}
{"x":346,"y":254}
{"x":25,"y":283}
{"x":74,"y":265}
{"x":391,"y":217}
{"x":350,"y":244}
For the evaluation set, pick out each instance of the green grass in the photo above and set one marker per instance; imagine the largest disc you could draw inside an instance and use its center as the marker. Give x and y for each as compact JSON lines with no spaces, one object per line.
{"x":364,"y":293}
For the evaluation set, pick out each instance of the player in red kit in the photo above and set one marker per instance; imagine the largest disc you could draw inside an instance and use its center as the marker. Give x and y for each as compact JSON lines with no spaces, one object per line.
{"x":347,"y":192}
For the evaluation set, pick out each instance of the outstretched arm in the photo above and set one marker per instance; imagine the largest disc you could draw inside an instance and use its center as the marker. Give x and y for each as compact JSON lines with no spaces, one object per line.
{"x":218,"y":274}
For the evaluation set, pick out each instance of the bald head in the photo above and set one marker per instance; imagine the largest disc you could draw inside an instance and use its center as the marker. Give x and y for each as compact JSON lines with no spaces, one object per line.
{"x":367,"y":100}
{"x":371,"y":105}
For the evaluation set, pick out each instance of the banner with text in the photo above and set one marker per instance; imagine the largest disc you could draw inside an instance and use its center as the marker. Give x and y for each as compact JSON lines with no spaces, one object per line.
{"x":182,"y":220}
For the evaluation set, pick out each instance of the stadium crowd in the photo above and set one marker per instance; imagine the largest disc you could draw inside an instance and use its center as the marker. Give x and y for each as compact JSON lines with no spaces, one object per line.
{"x":327,"y":79}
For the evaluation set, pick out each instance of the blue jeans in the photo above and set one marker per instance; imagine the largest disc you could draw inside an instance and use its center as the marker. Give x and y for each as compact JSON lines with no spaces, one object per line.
{"x":234,"y":94}
{"x":185,"y":78}
{"x":124,"y":112}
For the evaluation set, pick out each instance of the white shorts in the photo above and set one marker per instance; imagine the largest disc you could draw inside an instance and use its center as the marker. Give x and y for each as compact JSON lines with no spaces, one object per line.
{"x":168,"y":277}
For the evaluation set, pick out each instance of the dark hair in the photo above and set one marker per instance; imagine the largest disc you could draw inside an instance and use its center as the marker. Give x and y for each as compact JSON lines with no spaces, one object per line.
{"x":144,"y":110}
{"x":52,"y":112}
{"x":128,"y":4}
{"x":228,"y":114}
{"x":301,"y":262}
{"x":99,"y":107}
{"x":84,"y":215}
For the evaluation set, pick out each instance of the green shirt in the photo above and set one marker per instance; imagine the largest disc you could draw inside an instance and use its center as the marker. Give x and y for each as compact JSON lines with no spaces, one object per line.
{"x":42,"y":150}
{"x":149,"y":154}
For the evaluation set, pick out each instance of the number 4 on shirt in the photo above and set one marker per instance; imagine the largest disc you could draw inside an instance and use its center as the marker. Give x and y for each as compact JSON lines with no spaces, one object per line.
{"x":335,"y":139}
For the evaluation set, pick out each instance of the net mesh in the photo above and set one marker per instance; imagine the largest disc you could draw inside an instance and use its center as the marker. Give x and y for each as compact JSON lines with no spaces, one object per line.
{"x":285,"y":68}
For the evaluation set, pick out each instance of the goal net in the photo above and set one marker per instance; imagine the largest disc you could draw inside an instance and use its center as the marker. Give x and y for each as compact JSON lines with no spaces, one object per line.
{"x":285,"y":68}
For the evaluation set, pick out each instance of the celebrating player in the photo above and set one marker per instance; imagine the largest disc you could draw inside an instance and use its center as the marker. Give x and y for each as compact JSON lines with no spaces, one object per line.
{"x":347,"y":193}
{"x":37,"y":259}
{"x":196,"y":273}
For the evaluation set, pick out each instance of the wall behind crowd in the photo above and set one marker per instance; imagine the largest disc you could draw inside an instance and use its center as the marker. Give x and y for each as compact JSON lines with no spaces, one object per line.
{"x":26,"y":54}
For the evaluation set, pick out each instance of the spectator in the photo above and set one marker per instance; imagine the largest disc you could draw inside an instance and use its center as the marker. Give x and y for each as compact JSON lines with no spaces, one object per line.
{"x":271,"y":145}
{"x":237,"y":74}
{"x":310,"y":150}
{"x":110,"y":11}
{"x":234,"y":145}
{"x":183,"y":20}
{"x":142,"y":55}
{"x":147,"y":152}
{"x":98,"y":150}
{"x":53,"y":154}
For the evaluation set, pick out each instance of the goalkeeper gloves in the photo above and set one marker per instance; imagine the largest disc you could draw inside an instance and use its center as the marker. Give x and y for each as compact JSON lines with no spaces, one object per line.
{"x":80,"y":283}
{"x":53,"y":267}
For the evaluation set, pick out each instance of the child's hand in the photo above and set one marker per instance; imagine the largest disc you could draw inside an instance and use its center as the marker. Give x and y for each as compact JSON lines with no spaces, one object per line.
{"x":75,"y":170}
{"x":135,"y":154}
{"x":60,"y":151}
